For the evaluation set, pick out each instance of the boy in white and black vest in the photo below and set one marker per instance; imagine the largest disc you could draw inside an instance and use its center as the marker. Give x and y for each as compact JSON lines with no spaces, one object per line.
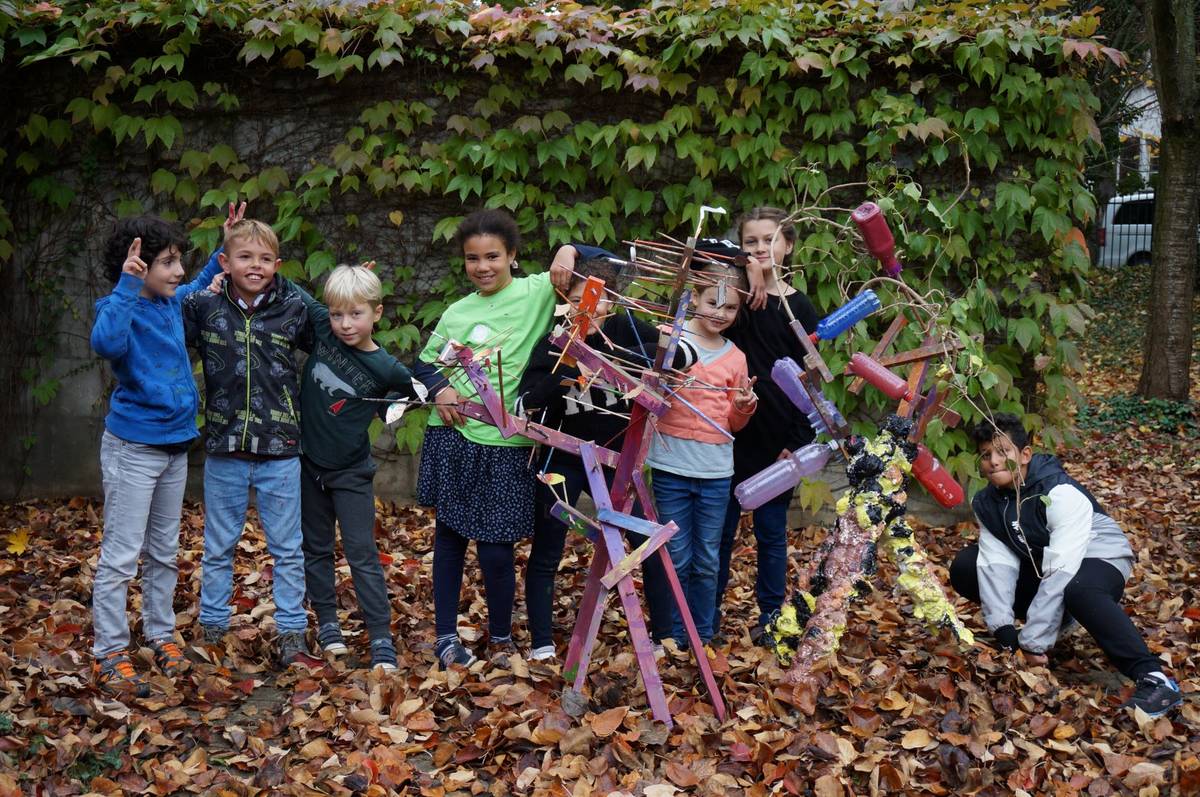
{"x":1049,"y":554}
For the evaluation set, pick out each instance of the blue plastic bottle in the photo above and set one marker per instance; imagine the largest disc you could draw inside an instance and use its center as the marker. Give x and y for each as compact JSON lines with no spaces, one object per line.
{"x":846,"y":316}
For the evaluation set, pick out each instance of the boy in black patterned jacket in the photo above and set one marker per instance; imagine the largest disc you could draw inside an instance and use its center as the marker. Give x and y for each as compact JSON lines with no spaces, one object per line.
{"x":246,"y":337}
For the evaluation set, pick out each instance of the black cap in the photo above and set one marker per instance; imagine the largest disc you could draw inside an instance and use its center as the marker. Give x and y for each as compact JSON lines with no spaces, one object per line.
{"x":726,"y":252}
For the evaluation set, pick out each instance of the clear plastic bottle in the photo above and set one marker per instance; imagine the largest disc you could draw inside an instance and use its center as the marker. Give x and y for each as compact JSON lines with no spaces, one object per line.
{"x":782,"y":476}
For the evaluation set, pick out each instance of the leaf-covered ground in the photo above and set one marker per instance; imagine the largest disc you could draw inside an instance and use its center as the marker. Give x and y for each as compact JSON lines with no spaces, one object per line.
{"x":899,"y":711}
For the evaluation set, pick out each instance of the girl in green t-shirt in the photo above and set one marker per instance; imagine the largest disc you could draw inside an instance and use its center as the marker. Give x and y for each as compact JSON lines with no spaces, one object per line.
{"x":481,"y":483}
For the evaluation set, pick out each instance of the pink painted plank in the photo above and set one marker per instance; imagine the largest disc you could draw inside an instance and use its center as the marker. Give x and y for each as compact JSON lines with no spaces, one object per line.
{"x":643,"y":648}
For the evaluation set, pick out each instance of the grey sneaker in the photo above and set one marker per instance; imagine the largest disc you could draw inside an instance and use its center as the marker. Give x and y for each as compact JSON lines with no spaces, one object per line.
{"x":329,"y":639}
{"x":213,"y":635}
{"x":383,"y":654}
{"x":292,"y":648}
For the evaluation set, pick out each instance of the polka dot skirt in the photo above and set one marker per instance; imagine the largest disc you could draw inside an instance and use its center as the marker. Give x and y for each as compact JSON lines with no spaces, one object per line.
{"x":484,"y":493}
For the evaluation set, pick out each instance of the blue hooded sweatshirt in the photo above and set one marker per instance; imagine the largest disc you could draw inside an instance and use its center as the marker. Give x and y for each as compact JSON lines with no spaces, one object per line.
{"x":155,"y":401}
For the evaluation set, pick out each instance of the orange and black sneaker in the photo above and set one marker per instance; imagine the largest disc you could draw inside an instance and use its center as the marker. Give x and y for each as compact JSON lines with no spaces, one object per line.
{"x":168,"y":657}
{"x":115,"y":674}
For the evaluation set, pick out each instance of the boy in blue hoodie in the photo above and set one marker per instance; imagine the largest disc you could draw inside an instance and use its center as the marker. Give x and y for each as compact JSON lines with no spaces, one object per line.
{"x":150,"y":425}
{"x":1048,"y":554}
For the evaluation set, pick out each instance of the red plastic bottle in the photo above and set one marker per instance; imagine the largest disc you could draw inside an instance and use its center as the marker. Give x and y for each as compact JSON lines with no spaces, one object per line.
{"x":891,"y":384}
{"x":878,"y":236}
{"x":936,"y":479}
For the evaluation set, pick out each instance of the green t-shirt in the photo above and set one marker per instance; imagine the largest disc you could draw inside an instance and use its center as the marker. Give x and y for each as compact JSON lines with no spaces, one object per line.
{"x":514,"y":319}
{"x":333,"y":418}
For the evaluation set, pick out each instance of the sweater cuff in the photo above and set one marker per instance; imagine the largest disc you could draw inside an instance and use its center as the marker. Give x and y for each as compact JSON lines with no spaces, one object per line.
{"x":129,"y":284}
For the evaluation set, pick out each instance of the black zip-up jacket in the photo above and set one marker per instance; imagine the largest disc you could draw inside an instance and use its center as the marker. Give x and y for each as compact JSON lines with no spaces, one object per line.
{"x":1058,"y":524}
{"x":251,"y":381}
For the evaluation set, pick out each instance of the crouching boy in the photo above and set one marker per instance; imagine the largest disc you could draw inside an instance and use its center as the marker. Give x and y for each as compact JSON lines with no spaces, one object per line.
{"x":1048,"y":554}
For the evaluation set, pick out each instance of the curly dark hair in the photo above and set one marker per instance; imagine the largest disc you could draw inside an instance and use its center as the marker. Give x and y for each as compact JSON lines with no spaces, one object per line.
{"x":489,"y":222}
{"x":1003,"y":423}
{"x":600,"y":267}
{"x":156,"y":234}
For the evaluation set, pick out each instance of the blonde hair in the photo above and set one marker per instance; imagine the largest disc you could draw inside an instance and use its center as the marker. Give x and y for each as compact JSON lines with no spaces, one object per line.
{"x":349,"y":285}
{"x":253,"y":230}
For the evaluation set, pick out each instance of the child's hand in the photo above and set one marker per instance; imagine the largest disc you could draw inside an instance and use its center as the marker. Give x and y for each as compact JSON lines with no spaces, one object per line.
{"x":784,"y":454}
{"x":236,"y":212}
{"x":562,"y":267}
{"x":744,"y":398}
{"x":369,"y":265}
{"x":218,"y":282}
{"x":134,"y":265}
{"x":447,"y":407}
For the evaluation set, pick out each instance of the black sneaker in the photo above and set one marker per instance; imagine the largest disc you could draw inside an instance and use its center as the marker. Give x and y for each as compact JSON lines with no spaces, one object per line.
{"x":453,"y":652}
{"x":213,"y":635}
{"x":293,"y":649}
{"x":1155,"y":696}
{"x":502,"y":652}
{"x":383,"y":654}
{"x":329,"y":639}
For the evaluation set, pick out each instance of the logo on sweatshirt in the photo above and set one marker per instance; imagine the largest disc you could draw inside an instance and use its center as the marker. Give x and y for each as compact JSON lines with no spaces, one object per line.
{"x":332,"y":384}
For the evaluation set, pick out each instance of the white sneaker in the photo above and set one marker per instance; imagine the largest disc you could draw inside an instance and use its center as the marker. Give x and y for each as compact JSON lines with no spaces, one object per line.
{"x":543,"y":653}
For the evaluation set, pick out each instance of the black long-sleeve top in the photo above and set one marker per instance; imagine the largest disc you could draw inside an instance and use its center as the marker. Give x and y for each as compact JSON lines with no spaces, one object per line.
{"x":764,"y":337}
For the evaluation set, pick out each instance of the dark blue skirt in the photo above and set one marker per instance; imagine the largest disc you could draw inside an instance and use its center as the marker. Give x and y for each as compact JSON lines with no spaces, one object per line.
{"x":484,"y":493}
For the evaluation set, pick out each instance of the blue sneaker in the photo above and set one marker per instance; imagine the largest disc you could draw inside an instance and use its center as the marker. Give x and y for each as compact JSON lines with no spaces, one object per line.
{"x":329,"y":639}
{"x":1155,"y":695}
{"x":383,"y":654}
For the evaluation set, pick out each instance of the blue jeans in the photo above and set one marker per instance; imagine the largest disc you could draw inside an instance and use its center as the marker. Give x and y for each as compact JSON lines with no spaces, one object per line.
{"x":143,"y":498}
{"x":770,"y":536}
{"x":276,"y":483}
{"x":698,"y":508}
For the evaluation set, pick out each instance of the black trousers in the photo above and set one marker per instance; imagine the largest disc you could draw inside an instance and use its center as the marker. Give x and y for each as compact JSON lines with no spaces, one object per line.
{"x":346,"y":496}
{"x":549,"y":540}
{"x":1093,"y":598}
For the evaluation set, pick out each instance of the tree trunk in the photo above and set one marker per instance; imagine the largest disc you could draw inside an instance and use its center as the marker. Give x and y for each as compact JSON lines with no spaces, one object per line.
{"x":1168,"y":346}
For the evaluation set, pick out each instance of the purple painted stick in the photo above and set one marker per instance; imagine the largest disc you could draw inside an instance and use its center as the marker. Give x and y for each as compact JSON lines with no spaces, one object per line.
{"x":612,"y":373}
{"x":643,"y":648}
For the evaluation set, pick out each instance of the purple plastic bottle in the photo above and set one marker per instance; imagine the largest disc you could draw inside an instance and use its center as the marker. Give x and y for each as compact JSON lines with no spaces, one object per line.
{"x":787,"y":374}
{"x":782,"y":476}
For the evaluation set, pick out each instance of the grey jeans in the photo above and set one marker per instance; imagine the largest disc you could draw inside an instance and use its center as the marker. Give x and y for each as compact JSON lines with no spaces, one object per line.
{"x":143,"y":500}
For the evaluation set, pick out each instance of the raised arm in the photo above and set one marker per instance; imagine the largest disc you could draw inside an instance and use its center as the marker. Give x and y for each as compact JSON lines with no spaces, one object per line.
{"x":114,"y":313}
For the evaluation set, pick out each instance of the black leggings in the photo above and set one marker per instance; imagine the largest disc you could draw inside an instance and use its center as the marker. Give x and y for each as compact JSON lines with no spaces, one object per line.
{"x":1093,"y":598}
{"x":499,"y":581}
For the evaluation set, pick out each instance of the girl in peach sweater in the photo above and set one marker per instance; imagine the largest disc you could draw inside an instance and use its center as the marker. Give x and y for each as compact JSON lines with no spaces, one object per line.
{"x":691,"y":461}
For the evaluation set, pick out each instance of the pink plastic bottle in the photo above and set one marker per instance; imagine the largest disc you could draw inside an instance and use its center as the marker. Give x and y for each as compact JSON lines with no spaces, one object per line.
{"x":936,"y":479}
{"x":875,"y":232}
{"x":891,"y":384}
{"x":782,"y":476}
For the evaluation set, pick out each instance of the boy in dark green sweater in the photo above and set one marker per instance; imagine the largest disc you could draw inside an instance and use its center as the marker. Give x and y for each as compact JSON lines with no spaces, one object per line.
{"x":336,"y":469}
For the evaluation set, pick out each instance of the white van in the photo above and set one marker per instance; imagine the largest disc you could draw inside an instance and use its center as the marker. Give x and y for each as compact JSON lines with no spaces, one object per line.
{"x":1125,"y":231}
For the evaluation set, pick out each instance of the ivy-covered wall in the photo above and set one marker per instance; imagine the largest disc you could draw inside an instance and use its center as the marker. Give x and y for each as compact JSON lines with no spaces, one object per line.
{"x":368,"y":131}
